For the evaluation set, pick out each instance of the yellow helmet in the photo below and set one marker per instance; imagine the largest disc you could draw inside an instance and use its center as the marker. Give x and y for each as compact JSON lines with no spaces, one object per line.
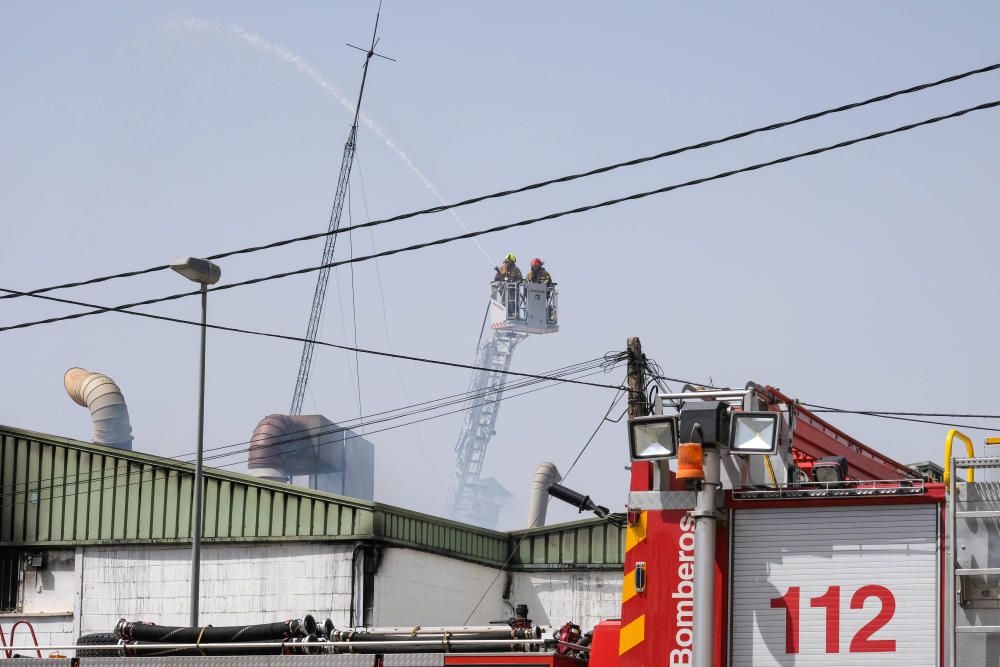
{"x":511,"y":256}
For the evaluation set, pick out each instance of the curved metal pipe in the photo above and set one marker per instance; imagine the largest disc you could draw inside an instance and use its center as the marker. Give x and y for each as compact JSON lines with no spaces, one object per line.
{"x":545,"y":476}
{"x":952,"y":434}
{"x":268,"y":444}
{"x":99,"y":394}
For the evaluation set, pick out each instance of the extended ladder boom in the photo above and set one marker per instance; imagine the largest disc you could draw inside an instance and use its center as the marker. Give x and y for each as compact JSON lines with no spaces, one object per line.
{"x":486,"y":392}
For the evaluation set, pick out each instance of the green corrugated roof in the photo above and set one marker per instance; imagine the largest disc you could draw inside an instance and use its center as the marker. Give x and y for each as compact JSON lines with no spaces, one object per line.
{"x":591,"y":543}
{"x":57,"y":491}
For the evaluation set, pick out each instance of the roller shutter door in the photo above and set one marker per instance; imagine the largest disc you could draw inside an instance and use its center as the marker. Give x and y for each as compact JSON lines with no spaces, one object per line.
{"x":849,"y":585}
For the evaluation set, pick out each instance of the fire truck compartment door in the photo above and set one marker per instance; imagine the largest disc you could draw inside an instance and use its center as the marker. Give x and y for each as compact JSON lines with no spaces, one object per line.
{"x":836,"y":585}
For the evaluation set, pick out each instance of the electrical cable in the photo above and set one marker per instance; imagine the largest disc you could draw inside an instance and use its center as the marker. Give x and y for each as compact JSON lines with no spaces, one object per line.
{"x":558,"y":374}
{"x":398,"y":413}
{"x":955,"y":415}
{"x":387,"y":428}
{"x":354,"y":307}
{"x":517,"y":546}
{"x":299,"y":339}
{"x":381,"y":297}
{"x":580,"y":369}
{"x":898,"y":416}
{"x":332,"y":431}
{"x":113,"y":474}
{"x":971,"y":427}
{"x":499,"y":228}
{"x":541,"y":184}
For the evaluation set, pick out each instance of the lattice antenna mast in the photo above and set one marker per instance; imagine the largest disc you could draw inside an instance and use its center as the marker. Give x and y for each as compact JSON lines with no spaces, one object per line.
{"x":323,"y":277}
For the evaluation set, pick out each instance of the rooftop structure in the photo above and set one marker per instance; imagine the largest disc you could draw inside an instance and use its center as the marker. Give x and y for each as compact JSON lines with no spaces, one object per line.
{"x":90,"y":533}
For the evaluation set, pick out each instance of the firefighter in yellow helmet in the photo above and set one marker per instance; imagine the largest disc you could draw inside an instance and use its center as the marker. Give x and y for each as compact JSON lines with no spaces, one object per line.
{"x":508,"y":271}
{"x":538,"y":274}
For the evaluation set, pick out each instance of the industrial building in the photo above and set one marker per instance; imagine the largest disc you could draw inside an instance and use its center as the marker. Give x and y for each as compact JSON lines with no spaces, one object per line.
{"x":90,"y":533}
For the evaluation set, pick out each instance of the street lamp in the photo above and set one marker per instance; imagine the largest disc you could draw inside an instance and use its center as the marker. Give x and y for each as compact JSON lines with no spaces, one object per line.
{"x":204,"y":273}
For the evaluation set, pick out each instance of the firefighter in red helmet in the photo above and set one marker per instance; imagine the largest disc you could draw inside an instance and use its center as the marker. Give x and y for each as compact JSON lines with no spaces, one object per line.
{"x":538,"y":274}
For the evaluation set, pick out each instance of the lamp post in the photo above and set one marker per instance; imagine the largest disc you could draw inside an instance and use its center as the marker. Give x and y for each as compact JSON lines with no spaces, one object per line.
{"x":204,"y":273}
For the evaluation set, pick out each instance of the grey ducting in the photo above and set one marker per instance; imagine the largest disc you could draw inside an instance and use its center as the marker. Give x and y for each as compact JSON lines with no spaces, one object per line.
{"x":273,"y":439}
{"x":336,"y":459}
{"x":545,"y":476}
{"x":99,"y":394}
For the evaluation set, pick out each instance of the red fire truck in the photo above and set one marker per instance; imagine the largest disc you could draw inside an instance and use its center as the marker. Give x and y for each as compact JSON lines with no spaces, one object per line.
{"x":759,"y":534}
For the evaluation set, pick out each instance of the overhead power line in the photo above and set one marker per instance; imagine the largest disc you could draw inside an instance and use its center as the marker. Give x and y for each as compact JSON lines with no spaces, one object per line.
{"x":579,"y":370}
{"x":534,"y":186}
{"x":516,"y":549}
{"x":890,"y":413}
{"x":576,"y":369}
{"x":359,"y":435}
{"x":22,"y":487}
{"x":499,"y":228}
{"x":815,"y":408}
{"x":299,"y":339}
{"x":904,"y":417}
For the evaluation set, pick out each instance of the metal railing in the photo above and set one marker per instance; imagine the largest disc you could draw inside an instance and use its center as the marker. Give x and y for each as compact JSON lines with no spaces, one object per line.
{"x":511,"y":294}
{"x":852,"y":488}
{"x":975,"y":581}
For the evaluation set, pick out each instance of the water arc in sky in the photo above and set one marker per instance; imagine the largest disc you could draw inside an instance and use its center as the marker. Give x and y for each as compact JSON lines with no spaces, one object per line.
{"x":289,"y":57}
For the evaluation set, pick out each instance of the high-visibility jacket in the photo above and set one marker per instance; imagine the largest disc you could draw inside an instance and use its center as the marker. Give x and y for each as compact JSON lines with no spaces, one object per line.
{"x":539,"y":275}
{"x":508,"y":271}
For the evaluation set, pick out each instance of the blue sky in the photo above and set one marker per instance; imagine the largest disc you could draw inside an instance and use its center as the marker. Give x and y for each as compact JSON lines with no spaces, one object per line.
{"x":131,"y":133}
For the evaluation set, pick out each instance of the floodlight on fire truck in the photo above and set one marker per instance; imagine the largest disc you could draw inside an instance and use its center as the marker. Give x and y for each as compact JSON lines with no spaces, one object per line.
{"x":653,"y":438}
{"x":830,"y":469}
{"x":754,"y":433}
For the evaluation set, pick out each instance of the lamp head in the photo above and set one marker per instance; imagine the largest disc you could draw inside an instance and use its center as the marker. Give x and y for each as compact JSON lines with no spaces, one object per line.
{"x":197,"y":270}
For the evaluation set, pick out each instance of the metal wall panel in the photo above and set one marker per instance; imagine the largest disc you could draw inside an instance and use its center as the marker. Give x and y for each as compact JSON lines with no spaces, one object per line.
{"x":61,"y":492}
{"x":440,"y":535}
{"x":588,"y":543}
{"x":839,"y":585}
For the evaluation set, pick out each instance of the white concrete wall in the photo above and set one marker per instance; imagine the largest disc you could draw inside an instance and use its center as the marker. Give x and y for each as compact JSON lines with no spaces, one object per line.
{"x":254,"y":583}
{"x":414,"y":587}
{"x":46,"y":602}
{"x":585,"y":597}
{"x":51,"y":630}
{"x":50,"y":590}
{"x":240,"y":584}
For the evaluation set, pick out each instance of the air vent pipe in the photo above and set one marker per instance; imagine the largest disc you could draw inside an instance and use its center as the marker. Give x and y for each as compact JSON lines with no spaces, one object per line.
{"x":99,"y":394}
{"x":336,"y":459}
{"x":271,"y":442}
{"x":545,"y":476}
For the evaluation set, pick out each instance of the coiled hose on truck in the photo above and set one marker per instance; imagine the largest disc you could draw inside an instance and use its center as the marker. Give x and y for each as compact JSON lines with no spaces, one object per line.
{"x":165,"y":634}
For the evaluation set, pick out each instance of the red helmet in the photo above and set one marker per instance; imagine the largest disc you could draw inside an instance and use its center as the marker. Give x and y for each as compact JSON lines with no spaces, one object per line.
{"x":536,"y":262}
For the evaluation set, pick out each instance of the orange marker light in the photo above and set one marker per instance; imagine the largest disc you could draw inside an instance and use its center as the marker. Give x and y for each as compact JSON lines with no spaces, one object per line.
{"x":690,"y":464}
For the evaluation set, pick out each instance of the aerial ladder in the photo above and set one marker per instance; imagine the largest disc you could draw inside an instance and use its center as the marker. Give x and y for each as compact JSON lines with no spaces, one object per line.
{"x":516,"y":310}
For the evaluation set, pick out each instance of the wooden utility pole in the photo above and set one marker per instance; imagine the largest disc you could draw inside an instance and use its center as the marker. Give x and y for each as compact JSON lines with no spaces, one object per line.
{"x":642,"y":471}
{"x":636,"y":378}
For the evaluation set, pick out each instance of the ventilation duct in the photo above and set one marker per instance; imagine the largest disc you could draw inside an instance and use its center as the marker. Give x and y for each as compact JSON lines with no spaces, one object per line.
{"x":335,"y":459}
{"x":545,"y":476}
{"x":99,"y":394}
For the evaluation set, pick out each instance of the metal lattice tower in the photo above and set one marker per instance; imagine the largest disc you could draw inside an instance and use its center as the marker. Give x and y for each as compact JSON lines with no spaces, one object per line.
{"x":323,"y":278}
